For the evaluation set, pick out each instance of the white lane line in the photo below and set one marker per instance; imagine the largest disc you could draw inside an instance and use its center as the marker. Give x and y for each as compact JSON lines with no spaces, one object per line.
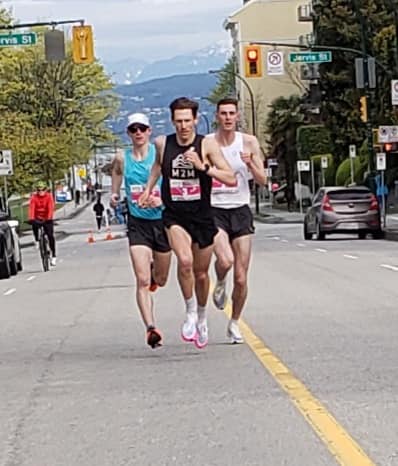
{"x":321,"y":250}
{"x":393,"y":217}
{"x":276,"y":238}
{"x":10,"y":291}
{"x":285,"y":240}
{"x":31,"y":278}
{"x":349,"y":256}
{"x":389,"y":267}
{"x":300,"y":245}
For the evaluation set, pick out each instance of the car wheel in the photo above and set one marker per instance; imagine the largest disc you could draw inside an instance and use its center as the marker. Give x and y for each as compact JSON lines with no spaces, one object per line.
{"x":5,"y":271}
{"x":307,"y":235}
{"x":13,"y":266}
{"x":19,"y":264}
{"x":320,"y":235}
{"x":379,"y":234}
{"x":362,"y":235}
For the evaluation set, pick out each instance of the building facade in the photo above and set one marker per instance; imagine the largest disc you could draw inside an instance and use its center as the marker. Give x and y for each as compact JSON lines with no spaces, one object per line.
{"x":284,"y":21}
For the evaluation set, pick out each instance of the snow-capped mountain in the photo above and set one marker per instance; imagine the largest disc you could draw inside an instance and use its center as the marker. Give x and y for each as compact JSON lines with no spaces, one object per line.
{"x":130,"y":71}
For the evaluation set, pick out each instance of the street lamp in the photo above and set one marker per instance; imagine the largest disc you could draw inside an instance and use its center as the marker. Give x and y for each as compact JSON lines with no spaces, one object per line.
{"x":253,"y":118}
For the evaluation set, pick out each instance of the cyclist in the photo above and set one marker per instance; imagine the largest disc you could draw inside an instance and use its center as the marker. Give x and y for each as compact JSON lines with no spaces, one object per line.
{"x":41,"y":211}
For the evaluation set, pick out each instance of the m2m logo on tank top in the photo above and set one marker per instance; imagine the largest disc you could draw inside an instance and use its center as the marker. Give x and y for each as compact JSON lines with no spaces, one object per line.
{"x":184,"y":184}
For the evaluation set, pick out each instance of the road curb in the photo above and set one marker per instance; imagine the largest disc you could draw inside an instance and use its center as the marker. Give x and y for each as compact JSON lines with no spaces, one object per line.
{"x":391,"y":235}
{"x":273,"y":219}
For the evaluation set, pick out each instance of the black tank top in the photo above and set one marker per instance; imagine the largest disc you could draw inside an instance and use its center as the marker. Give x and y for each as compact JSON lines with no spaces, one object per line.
{"x":185,"y":190}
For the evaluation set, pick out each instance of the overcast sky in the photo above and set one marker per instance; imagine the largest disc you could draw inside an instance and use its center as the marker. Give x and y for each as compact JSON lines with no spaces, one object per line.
{"x":145,"y":29}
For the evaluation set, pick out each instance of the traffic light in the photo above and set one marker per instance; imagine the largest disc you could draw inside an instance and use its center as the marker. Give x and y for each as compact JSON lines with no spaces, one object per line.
{"x":83,"y":44}
{"x":363,"y":108}
{"x":253,"y":62}
{"x":390,"y":147}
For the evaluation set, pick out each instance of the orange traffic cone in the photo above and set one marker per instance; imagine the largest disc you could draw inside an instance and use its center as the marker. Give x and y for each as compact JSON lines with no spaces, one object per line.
{"x":108,"y":234}
{"x":90,"y":238}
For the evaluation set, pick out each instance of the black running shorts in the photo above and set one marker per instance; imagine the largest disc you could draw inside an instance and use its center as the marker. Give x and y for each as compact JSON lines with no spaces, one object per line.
{"x":235,"y":222}
{"x":149,"y":233}
{"x":200,"y":228}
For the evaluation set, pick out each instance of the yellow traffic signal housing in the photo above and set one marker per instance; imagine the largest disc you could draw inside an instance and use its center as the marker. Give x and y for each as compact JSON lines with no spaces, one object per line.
{"x":253,"y":61}
{"x":83,"y":44}
{"x":364,"y":108}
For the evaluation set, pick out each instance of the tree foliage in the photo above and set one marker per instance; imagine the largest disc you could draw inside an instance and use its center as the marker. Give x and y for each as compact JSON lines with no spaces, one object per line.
{"x":358,"y":25}
{"x":226,"y":82}
{"x":52,"y":113}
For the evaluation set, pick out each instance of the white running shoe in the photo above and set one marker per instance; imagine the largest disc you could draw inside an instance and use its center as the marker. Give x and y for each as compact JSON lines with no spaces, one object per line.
{"x":37,"y":245}
{"x":188,"y":330}
{"x":202,"y":336}
{"x":220,"y":295}
{"x":233,"y":333}
{"x":53,"y":261}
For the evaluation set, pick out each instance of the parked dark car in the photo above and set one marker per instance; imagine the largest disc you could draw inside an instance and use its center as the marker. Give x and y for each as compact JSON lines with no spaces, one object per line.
{"x":343,"y":210}
{"x":8,"y":265}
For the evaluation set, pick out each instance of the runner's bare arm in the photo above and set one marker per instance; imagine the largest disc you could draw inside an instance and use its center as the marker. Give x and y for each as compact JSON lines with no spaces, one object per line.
{"x":156,"y":171}
{"x":117,"y":177}
{"x":219,"y":167}
{"x":252,"y":158}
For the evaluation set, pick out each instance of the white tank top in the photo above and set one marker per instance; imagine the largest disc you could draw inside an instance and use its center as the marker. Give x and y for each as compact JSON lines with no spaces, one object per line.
{"x":230,"y":197}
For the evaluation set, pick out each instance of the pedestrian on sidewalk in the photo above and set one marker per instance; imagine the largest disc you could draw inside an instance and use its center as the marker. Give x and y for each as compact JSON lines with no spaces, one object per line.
{"x":231,"y":208}
{"x":99,"y":208}
{"x":149,"y":248}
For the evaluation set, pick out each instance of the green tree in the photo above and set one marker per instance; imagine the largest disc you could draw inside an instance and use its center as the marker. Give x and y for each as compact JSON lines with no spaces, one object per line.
{"x":283,"y":120}
{"x":226,"y":82}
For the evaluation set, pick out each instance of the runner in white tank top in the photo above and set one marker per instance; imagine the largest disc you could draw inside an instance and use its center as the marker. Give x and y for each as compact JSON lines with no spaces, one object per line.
{"x":231,"y":207}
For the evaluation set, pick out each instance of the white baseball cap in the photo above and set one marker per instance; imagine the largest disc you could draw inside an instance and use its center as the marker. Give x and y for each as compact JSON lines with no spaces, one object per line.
{"x":139,"y":118}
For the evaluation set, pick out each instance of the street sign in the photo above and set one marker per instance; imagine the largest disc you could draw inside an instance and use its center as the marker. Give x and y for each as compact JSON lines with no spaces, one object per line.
{"x":353,"y":151}
{"x":11,"y":40}
{"x":303,"y":165}
{"x":394,"y":91}
{"x":275,"y":63}
{"x":6,"y":163}
{"x":324,"y":162}
{"x":381,"y":161}
{"x":387,"y":134}
{"x":310,"y":57}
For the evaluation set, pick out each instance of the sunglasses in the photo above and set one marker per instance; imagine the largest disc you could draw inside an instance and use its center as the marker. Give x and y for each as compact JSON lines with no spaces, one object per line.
{"x":134,"y":128}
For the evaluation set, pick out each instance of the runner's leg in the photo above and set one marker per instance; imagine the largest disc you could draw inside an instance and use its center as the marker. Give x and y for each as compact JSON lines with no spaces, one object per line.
{"x":202,"y":258}
{"x":242,"y":252}
{"x":141,"y":257}
{"x":161,"y":266}
{"x":180,"y":242}
{"x":224,"y":261}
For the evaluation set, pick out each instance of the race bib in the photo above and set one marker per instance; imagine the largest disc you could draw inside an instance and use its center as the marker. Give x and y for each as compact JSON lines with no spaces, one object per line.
{"x":185,"y":190}
{"x":137,"y":189}
{"x":221,"y":188}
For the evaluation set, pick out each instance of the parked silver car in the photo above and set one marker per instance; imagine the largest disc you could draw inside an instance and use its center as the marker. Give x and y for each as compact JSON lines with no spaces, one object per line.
{"x":343,"y":210}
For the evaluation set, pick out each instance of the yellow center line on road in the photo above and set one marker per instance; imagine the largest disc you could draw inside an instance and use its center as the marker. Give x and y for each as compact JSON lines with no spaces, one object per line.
{"x":343,"y":447}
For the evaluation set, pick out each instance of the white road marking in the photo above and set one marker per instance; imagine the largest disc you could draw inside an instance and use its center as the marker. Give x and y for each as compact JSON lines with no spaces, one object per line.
{"x":393,"y":217}
{"x":321,"y":250}
{"x":389,"y":267}
{"x":285,"y":241}
{"x":300,"y":245}
{"x":10,"y":291}
{"x":277,"y":238}
{"x":348,"y":256}
{"x":31,"y":278}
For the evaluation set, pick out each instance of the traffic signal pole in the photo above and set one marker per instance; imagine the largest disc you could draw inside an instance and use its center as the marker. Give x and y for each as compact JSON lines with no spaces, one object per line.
{"x":40,"y":23}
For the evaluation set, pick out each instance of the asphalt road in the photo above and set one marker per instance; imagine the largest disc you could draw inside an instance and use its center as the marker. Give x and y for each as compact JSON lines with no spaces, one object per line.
{"x":316,"y":384}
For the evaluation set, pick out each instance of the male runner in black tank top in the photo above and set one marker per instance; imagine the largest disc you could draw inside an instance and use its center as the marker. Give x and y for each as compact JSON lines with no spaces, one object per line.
{"x":187,"y":162}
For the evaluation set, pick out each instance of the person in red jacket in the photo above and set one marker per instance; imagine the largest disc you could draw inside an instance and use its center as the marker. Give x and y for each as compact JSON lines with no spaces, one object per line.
{"x":41,"y":211}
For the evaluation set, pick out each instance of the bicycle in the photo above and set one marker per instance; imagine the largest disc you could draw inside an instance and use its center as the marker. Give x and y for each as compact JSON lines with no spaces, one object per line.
{"x":44,"y":247}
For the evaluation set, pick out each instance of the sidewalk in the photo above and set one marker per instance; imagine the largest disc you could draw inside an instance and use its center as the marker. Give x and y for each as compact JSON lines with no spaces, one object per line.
{"x":67,"y":212}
